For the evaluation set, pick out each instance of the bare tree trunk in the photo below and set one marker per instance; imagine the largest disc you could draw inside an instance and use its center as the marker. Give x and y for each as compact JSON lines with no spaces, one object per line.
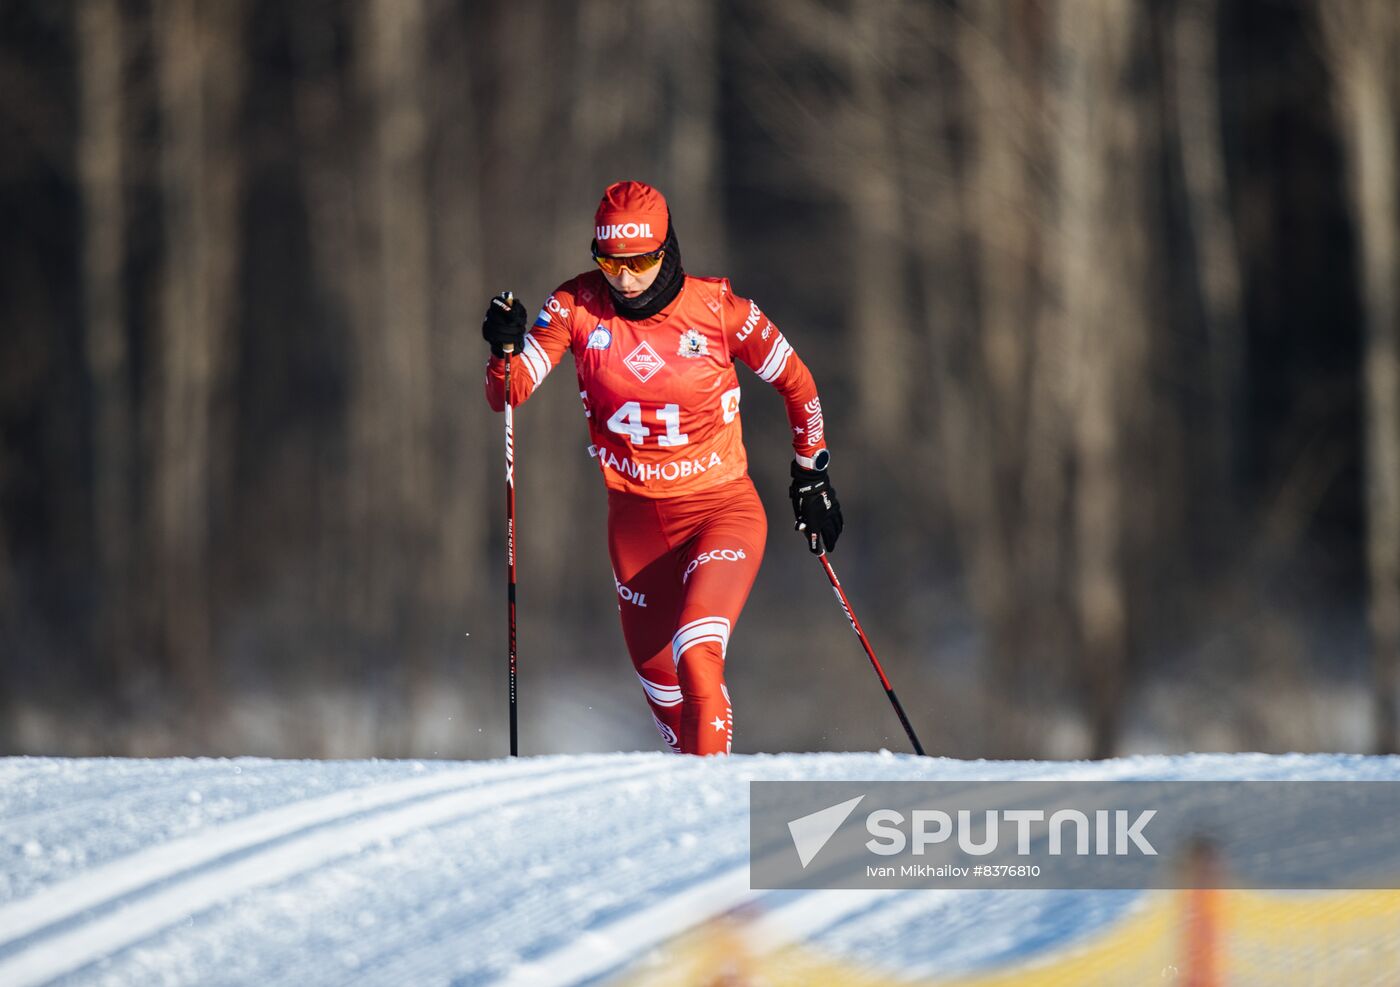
{"x":102,"y":50}
{"x":1364,"y":41}
{"x":999,"y":181}
{"x":690,"y":74}
{"x":200,"y":80}
{"x":325,"y":113}
{"x":464,"y":480}
{"x":1195,"y":93}
{"x":1100,"y":281}
{"x":998,"y":188}
{"x":947,"y":419}
{"x":391,"y":412}
{"x":852,"y":154}
{"x":878,"y":310}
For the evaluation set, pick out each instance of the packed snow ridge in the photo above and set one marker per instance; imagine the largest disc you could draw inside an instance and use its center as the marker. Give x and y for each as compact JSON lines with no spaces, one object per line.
{"x":545,"y":870}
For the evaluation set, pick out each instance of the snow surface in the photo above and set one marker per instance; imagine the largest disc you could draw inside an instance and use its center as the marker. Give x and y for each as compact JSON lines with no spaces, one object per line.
{"x":549,"y":870}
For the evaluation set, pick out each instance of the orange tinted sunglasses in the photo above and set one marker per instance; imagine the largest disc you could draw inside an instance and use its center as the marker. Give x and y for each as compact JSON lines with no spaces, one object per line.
{"x":616,"y":265}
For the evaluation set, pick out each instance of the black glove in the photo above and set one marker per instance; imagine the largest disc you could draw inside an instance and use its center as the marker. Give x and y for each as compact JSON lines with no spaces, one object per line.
{"x":816,"y":508}
{"x":504,"y":324}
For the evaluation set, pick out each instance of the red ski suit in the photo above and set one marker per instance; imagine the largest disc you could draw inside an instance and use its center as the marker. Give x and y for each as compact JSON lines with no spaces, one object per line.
{"x":686,"y":529}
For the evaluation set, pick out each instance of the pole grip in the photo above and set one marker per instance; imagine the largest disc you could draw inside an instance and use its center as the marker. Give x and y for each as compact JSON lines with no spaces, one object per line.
{"x":506,"y":300}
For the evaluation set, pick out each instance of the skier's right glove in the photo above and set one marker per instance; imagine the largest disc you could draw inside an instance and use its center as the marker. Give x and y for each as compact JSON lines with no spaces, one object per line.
{"x":504,"y":324}
{"x":817,"y":510}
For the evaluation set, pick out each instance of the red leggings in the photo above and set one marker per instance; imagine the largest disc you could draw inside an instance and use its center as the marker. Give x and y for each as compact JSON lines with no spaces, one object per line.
{"x":684,"y":567}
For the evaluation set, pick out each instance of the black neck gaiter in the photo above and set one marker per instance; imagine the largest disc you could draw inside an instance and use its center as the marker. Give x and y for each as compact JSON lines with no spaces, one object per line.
{"x":663,"y":290}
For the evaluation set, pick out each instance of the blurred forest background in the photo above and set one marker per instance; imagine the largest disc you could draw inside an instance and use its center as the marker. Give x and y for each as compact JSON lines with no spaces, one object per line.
{"x":1101,"y":296}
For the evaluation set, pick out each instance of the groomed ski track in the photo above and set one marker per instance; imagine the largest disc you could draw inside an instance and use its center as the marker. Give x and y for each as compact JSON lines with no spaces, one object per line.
{"x":540,"y":871}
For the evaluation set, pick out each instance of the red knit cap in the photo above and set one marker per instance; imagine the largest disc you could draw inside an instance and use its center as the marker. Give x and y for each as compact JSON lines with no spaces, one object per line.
{"x":631,"y":219}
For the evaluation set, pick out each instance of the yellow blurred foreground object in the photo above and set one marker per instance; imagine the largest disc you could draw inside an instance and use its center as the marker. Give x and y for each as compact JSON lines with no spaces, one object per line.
{"x":1192,"y":938}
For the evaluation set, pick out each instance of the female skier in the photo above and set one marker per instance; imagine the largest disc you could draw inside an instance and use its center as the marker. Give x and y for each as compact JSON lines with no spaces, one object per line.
{"x":655,"y":349}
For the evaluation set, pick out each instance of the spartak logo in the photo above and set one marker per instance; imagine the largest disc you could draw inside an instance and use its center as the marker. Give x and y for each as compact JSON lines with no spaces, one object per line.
{"x":644,"y":362}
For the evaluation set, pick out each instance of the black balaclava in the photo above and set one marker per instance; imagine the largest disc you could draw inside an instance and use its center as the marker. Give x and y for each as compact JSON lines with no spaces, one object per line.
{"x":663,"y":290}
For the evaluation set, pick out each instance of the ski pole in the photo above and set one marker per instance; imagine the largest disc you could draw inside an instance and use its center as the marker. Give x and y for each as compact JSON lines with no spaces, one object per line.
{"x":865,"y":642}
{"x":506,"y":300}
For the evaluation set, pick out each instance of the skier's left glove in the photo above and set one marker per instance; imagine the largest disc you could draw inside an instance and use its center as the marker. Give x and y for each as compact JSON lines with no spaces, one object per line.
{"x":816,"y":508}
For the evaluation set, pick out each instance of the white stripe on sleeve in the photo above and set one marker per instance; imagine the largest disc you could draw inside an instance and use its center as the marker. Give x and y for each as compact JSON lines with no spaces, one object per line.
{"x":536,"y":359}
{"x":777,"y":359}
